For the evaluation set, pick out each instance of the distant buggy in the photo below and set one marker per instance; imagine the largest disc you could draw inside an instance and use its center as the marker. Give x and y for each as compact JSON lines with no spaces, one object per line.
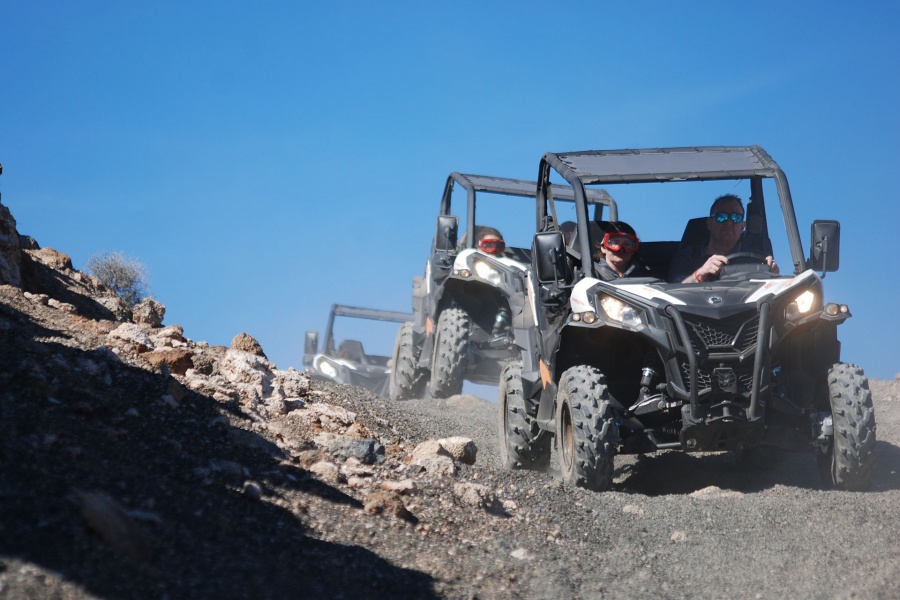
{"x":468,"y":302}
{"x":750,"y":363}
{"x":347,"y":362}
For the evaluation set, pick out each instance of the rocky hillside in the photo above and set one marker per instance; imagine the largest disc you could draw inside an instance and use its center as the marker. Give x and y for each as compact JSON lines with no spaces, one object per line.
{"x":138,"y":463}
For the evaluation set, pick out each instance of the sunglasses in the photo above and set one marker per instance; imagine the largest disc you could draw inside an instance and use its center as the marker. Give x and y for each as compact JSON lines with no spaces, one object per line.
{"x":621,"y":242}
{"x":492,"y":246}
{"x":722,"y":217}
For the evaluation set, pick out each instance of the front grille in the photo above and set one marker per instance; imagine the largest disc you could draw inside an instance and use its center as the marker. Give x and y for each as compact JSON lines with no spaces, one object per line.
{"x":707,"y":379}
{"x":737,"y":333}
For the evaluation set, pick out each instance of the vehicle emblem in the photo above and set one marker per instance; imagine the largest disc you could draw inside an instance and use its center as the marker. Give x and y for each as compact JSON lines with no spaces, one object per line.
{"x":715,"y":300}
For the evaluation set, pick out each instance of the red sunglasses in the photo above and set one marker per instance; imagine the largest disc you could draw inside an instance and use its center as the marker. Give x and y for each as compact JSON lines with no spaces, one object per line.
{"x":621,"y":242}
{"x":492,"y":246}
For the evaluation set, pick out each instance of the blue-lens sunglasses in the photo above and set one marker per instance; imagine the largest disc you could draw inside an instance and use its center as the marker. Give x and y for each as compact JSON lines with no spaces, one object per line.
{"x":722,"y":217}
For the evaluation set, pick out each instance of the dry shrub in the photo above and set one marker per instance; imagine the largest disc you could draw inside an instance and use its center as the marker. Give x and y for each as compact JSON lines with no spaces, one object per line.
{"x":124,"y":276}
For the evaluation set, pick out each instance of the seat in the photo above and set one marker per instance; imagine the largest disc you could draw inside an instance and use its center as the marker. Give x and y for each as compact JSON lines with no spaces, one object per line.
{"x":696,"y":233}
{"x":351,"y":350}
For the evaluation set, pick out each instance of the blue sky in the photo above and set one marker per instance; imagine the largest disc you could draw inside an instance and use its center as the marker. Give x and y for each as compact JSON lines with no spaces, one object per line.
{"x":267,"y":159}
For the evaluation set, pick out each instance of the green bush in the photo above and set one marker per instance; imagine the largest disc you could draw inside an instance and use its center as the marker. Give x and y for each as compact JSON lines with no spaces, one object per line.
{"x":126,"y":277}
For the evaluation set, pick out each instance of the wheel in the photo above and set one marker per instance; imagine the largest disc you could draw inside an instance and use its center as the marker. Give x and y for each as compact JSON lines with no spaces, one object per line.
{"x":848,"y":462}
{"x":407,"y":380}
{"x":586,"y":429}
{"x":449,"y":358}
{"x":523,"y":445}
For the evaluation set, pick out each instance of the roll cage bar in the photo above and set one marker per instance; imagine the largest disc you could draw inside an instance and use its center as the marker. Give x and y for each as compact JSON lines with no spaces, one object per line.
{"x":658,"y":165}
{"x":342,"y":310}
{"x":517,"y":187}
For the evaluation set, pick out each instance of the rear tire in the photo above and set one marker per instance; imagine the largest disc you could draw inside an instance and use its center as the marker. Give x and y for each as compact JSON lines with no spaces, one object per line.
{"x":448,"y":364}
{"x":523,"y":445}
{"x":848,"y":463}
{"x":407,"y":380}
{"x":585,"y":428}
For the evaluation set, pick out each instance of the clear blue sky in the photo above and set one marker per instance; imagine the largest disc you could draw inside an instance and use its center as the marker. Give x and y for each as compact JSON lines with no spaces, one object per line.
{"x":267,"y":159}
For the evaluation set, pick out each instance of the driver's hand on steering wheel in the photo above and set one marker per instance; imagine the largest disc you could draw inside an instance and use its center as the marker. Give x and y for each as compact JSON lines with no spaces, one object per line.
{"x":710,"y":269}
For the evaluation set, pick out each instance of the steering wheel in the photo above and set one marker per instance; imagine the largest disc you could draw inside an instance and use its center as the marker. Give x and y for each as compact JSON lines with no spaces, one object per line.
{"x":754,"y":255}
{"x":756,"y":263}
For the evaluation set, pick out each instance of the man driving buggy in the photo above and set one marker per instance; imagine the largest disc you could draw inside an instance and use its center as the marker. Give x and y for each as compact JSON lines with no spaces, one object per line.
{"x":705,"y":261}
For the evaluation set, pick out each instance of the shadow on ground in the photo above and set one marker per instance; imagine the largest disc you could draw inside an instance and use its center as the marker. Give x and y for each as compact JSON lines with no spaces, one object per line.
{"x":78,"y":424}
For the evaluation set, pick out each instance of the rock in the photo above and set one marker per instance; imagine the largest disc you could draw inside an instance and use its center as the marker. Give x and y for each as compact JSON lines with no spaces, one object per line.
{"x":381,"y":501}
{"x":461,"y":449}
{"x":52,"y":258}
{"x":438,"y":465}
{"x":116,"y":306}
{"x":133,"y":334}
{"x":369,"y":451}
{"x":245,"y":343}
{"x":148,"y":312}
{"x":178,"y":360}
{"x":428,"y":449}
{"x":113,"y":524}
{"x":406,"y":486}
{"x":10,"y":251}
{"x":26,"y":242}
{"x":478,"y":496}
{"x":326,"y":471}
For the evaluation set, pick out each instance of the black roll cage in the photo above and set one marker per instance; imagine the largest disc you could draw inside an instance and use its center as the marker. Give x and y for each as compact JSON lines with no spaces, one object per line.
{"x":658,"y":165}
{"x":517,"y":187}
{"x":374,"y":314}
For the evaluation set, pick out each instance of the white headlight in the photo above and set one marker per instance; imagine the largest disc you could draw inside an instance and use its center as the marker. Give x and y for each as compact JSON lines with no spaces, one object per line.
{"x":620,"y":312}
{"x":801,"y":305}
{"x":487,"y":272}
{"x":327,"y":368}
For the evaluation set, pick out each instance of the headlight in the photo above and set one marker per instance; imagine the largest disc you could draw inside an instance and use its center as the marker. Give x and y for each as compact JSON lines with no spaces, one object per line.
{"x":620,"y":312}
{"x":487,"y":272}
{"x":801,"y":306}
{"x":327,"y":369}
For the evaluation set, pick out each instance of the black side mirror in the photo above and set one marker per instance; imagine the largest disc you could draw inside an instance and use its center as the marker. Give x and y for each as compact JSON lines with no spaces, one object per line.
{"x":445,"y":236}
{"x":310,"y":347}
{"x":825,"y":246}
{"x":549,"y":252}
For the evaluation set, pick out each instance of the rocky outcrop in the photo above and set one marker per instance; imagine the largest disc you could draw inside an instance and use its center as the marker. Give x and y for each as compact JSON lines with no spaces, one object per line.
{"x":10,"y":251}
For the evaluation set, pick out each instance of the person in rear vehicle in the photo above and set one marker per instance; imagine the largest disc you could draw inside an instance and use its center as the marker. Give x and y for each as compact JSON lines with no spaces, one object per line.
{"x":704,"y":262}
{"x":615,"y":251}
{"x":489,"y":240}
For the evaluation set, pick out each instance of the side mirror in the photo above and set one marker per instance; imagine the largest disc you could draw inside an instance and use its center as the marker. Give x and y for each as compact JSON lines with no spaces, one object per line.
{"x":549,"y":252}
{"x":825,"y":246}
{"x":310,"y":347}
{"x":445,"y":236}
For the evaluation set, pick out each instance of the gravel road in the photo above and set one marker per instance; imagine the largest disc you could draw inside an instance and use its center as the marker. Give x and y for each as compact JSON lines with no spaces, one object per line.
{"x":684,"y":526}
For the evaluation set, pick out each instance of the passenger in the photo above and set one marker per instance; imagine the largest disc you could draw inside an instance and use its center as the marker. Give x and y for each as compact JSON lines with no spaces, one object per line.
{"x":704,"y":262}
{"x":489,"y":240}
{"x":615,"y":257}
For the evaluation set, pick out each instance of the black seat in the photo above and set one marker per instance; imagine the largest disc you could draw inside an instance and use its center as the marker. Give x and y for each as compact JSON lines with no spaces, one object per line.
{"x":352,"y":350}
{"x":696,"y":233}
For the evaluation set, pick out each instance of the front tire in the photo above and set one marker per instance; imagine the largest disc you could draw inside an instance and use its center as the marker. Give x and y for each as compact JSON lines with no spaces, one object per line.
{"x":523,"y":445}
{"x":848,"y":462}
{"x":448,"y":362}
{"x":407,"y":380}
{"x":586,"y":429}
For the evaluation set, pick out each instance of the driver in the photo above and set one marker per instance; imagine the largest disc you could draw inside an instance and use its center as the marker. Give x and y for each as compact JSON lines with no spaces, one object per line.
{"x":696,"y":264}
